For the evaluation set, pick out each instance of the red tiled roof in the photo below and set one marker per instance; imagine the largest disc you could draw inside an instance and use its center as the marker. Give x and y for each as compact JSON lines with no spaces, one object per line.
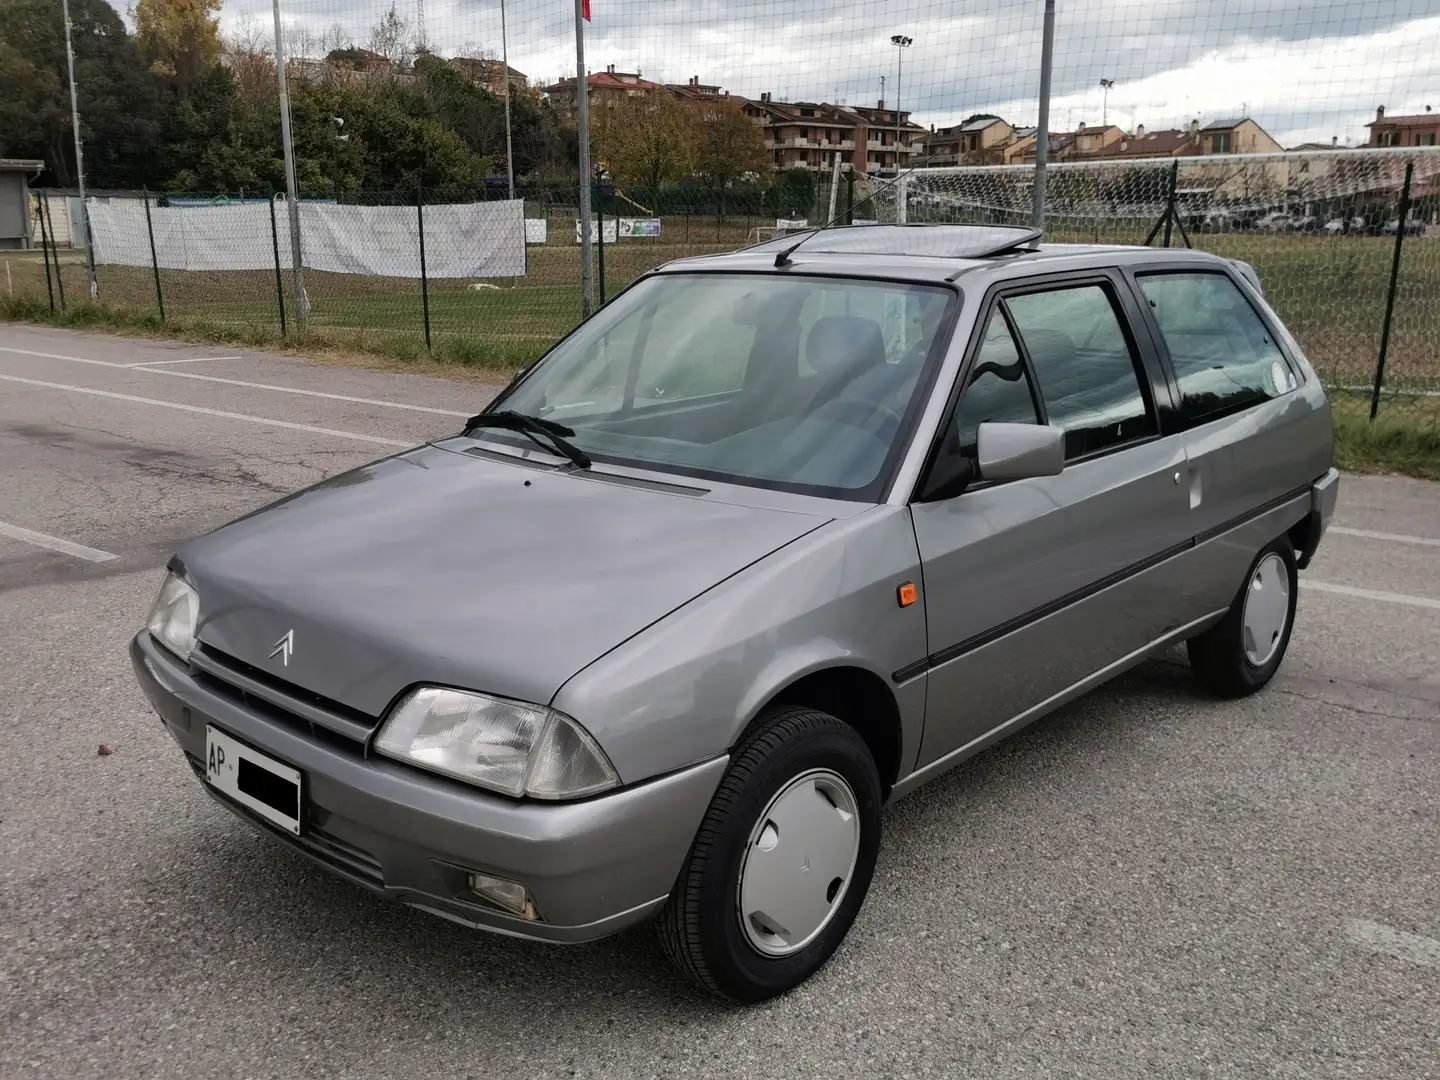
{"x":1412,"y":120}
{"x":604,"y":79}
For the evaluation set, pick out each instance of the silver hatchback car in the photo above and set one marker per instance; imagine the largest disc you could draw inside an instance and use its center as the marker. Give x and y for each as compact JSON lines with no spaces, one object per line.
{"x":773,"y":538}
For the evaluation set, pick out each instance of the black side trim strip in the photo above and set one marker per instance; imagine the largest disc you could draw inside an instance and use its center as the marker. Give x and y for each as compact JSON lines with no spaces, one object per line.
{"x":910,"y":671}
{"x":952,"y":652}
{"x":1035,"y":615}
{"x":1250,"y":515}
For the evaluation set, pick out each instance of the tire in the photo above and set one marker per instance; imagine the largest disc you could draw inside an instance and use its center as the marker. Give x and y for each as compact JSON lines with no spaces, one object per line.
{"x":701,"y":927}
{"x":1223,"y":657}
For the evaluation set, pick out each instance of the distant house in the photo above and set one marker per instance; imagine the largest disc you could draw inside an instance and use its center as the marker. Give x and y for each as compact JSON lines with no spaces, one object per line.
{"x":489,"y":73}
{"x":978,"y":141}
{"x":1237,"y":135}
{"x":606,"y":89}
{"x":694,"y":92}
{"x":1415,"y":129}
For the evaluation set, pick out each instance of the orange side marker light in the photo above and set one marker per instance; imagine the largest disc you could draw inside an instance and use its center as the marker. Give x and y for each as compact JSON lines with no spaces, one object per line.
{"x":907,"y":594}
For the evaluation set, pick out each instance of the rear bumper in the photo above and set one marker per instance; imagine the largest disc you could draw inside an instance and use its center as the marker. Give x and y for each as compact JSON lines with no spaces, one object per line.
{"x":592,"y":867}
{"x":1324,"y":494}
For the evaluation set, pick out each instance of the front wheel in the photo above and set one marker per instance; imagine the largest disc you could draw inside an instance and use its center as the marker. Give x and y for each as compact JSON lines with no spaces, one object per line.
{"x":782,"y":860}
{"x":1241,"y":653}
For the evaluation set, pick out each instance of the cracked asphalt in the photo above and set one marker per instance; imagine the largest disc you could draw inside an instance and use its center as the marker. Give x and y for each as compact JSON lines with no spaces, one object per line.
{"x":1148,"y":884}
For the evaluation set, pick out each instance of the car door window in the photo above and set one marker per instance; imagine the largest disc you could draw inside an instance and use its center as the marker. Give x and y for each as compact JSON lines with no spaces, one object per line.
{"x":1225,"y":358}
{"x":1086,"y":367}
{"x":998,"y":389}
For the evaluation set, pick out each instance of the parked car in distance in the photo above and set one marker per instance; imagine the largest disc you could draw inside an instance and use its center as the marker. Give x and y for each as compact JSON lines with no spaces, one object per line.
{"x":772,"y":539}
{"x":1276,"y":222}
{"x":1307,"y":224}
{"x":1413,"y":227}
{"x":1341,"y":226}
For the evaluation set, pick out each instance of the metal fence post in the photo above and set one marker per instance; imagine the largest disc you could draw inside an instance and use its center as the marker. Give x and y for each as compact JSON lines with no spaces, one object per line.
{"x":45,"y":249}
{"x":600,"y":225}
{"x":1170,"y":199}
{"x":154,"y":259}
{"x":55,"y":244}
{"x":1390,"y":296}
{"x":424,"y":275}
{"x":279,"y":281}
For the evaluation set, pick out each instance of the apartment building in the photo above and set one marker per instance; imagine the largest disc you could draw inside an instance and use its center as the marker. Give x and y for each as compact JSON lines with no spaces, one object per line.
{"x":1415,"y":129}
{"x":813,"y":135}
{"x":981,"y":140}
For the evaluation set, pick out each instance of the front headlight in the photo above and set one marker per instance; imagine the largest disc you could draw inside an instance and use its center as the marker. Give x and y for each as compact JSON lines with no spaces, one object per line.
{"x":508,"y":746}
{"x":173,"y":618}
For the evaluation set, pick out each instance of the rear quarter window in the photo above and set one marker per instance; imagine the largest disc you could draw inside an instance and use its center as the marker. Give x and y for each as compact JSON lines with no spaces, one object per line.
{"x":1224,"y":356}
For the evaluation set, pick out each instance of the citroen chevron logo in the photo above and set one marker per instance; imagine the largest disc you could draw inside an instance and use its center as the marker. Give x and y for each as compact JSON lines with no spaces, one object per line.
{"x":284,"y":647}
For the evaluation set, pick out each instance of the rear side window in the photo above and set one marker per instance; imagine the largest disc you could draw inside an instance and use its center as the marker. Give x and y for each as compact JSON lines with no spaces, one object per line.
{"x":1224,"y":357}
{"x":998,"y":390}
{"x":1086,"y":367}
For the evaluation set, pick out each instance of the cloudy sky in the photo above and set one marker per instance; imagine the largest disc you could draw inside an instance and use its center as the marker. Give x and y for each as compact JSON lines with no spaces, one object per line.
{"x":1307,"y":70}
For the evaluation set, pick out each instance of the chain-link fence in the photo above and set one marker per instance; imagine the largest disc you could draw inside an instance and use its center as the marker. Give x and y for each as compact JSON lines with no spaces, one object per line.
{"x":1232,"y":127}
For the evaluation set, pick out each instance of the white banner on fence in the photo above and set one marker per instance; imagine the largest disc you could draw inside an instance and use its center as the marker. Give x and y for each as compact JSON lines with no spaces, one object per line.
{"x":611,"y":231}
{"x":461,"y":241}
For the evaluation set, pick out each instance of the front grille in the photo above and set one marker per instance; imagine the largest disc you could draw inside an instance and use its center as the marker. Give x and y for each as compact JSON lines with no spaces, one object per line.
{"x":282,"y":703}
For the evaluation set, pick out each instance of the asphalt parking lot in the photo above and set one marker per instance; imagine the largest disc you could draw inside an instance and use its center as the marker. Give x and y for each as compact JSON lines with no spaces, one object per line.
{"x":1148,"y":884}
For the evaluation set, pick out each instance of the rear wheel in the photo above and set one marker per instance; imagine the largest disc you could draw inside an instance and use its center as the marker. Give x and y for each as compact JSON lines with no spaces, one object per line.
{"x":1242,"y":652}
{"x":782,"y":860}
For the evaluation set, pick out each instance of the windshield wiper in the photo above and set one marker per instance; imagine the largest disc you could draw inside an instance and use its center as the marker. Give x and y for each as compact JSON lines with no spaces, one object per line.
{"x":532,"y":427}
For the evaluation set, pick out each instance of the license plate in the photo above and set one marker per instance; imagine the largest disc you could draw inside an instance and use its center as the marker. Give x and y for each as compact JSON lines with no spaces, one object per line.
{"x":256,"y":782}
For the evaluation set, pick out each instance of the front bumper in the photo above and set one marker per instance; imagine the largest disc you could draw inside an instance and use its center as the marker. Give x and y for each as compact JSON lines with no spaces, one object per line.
{"x":592,"y":867}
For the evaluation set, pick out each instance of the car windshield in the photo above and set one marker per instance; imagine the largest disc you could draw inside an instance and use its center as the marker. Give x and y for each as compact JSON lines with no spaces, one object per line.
{"x":799,"y":383}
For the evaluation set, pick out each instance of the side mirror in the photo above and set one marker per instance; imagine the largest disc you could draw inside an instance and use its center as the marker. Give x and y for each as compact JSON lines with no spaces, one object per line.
{"x":1020,"y":451}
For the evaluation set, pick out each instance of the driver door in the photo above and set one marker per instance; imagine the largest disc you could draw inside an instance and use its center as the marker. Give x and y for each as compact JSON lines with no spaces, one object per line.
{"x":1034,"y":586}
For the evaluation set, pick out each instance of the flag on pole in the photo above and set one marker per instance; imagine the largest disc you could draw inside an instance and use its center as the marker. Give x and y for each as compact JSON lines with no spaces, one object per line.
{"x":585,"y":10}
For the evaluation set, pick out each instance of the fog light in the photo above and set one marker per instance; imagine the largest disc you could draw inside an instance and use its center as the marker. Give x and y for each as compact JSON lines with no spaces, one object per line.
{"x":506,"y":895}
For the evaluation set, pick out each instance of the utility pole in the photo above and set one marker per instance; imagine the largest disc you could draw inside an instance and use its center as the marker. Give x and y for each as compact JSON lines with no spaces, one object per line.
{"x":1105,"y":87}
{"x":1042,"y":134}
{"x":505,"y":61}
{"x":79,"y":159}
{"x":582,"y":111}
{"x":292,"y":193}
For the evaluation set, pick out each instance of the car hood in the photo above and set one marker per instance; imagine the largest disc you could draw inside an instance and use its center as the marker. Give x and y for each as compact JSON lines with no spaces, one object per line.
{"x":442,"y":567}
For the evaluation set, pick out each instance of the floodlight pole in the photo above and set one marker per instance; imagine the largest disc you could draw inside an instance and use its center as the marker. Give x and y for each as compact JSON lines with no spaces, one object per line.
{"x":292,"y":193}
{"x":1042,"y":134}
{"x":582,"y":115}
{"x":79,"y":157}
{"x":505,"y":62}
{"x":901,"y":43}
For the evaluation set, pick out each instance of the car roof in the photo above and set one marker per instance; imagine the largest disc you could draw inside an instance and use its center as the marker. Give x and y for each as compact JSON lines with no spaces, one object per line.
{"x":919,"y":253}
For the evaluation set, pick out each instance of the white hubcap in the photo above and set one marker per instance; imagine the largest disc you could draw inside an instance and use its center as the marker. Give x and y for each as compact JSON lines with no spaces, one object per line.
{"x":799,"y":862}
{"x":1267,"y":609}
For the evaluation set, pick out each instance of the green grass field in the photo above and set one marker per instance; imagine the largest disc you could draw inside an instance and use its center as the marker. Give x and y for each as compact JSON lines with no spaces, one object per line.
{"x":1330,"y":291}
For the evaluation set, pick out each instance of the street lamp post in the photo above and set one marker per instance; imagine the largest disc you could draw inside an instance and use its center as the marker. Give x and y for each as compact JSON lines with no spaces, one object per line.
{"x":505,"y":62}
{"x":1105,"y":87}
{"x":901,"y":43}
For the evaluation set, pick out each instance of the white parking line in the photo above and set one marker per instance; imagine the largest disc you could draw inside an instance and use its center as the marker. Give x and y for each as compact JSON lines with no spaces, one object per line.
{"x":147,"y":367}
{"x":244,"y":417}
{"x":187,"y":360}
{"x":1372,"y":594}
{"x":1376,"y":937}
{"x":54,"y":543}
{"x":1394,"y":538}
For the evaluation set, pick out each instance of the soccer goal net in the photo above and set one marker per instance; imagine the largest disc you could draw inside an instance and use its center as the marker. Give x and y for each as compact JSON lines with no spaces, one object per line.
{"x":1339,"y":191}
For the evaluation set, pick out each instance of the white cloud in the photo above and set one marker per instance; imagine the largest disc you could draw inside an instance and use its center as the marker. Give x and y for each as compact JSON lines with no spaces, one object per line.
{"x":1305,"y":70}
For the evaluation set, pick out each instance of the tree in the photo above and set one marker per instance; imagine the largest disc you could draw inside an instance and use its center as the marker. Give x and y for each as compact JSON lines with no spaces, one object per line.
{"x":179,"y":38}
{"x":730,"y":145}
{"x":649,"y":140}
{"x":390,"y":39}
{"x":120,"y":109}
